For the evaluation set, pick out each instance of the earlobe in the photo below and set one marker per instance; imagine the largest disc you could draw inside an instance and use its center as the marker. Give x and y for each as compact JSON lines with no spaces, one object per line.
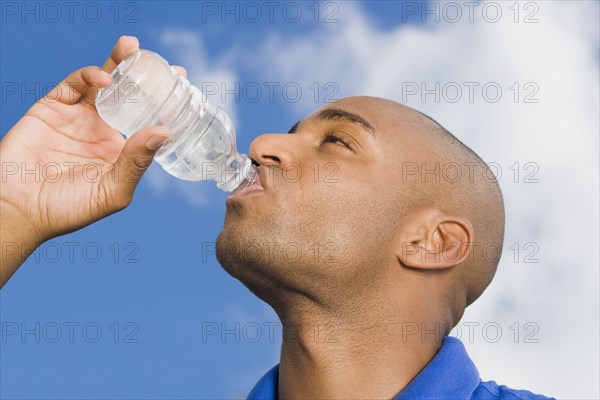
{"x":434,"y":239}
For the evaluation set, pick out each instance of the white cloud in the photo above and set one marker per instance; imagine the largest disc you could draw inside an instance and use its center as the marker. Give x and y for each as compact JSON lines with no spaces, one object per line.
{"x":202,"y":69}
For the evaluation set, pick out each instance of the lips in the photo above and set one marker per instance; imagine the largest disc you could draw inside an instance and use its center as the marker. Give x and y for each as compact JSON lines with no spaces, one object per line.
{"x":254,"y":185}
{"x":246,"y":189}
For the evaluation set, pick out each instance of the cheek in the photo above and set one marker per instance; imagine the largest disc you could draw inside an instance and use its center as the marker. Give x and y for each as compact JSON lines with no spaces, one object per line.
{"x":331,"y":213}
{"x":333,"y":207}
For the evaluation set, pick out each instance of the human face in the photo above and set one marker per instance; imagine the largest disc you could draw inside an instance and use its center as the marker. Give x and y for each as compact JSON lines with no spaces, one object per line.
{"x":326,"y":211}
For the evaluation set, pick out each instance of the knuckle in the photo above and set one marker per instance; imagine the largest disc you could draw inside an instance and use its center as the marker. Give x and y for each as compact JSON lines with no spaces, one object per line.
{"x":141,"y":165}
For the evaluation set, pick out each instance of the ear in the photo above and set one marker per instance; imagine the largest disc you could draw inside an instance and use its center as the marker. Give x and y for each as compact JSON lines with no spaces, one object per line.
{"x":433,"y":239}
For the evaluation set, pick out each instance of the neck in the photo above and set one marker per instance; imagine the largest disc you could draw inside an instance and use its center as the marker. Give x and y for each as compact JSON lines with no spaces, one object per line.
{"x":370,"y":350}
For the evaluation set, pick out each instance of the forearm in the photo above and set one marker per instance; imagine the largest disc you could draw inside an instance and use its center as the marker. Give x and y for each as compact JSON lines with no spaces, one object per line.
{"x":18,"y":240}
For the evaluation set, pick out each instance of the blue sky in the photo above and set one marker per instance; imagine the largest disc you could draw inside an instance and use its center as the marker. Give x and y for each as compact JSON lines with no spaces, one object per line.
{"x":173,"y":323}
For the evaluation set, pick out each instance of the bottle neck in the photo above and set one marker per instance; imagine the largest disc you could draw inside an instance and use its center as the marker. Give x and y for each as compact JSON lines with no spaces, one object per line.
{"x":238,"y":171}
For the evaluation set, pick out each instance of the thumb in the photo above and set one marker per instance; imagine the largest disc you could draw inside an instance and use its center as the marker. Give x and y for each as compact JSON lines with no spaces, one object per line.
{"x":134,"y":160}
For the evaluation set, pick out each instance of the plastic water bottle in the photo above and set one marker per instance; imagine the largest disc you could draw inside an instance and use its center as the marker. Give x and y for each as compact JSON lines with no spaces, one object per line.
{"x":145,"y":92}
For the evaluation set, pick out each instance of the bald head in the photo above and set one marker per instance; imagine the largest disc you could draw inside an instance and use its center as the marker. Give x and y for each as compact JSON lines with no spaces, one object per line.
{"x":477,"y":195}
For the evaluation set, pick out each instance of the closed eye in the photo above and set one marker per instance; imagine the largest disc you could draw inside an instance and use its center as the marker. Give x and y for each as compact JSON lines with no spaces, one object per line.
{"x":330,"y":137}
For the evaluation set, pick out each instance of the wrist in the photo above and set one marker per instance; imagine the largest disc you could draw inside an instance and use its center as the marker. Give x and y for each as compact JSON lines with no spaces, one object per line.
{"x":18,"y":236}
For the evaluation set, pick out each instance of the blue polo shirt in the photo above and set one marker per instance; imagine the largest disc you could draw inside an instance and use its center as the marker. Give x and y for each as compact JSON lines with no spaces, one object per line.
{"x":449,"y":375}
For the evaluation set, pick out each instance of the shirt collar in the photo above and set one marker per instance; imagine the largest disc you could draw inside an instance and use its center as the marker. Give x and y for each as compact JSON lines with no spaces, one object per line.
{"x":449,"y":374}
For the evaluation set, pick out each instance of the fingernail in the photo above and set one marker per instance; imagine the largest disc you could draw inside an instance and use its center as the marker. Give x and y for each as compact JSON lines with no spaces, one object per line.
{"x":160,"y":130}
{"x":155,"y":141}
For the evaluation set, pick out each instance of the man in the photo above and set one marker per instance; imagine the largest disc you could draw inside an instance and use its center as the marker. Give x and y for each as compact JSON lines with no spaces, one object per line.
{"x":391,"y":218}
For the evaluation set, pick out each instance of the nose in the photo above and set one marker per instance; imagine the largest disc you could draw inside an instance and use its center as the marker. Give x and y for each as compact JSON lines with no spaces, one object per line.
{"x":273,"y":149}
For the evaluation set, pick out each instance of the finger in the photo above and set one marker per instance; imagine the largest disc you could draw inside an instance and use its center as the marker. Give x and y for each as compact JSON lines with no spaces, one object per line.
{"x":134,"y":160}
{"x":83,"y":83}
{"x":124,"y":47}
{"x":179,"y":70}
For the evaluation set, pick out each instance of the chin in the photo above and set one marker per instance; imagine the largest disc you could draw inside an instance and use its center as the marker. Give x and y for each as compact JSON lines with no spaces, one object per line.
{"x":253,"y":269}
{"x":237,"y":250}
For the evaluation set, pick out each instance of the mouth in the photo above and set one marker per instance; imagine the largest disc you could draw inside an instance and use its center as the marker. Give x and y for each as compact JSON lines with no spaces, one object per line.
{"x":254,"y":184}
{"x":253,"y":187}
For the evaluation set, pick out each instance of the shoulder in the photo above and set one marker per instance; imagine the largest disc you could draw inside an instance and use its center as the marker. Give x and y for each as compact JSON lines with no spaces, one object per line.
{"x":492,"y":391}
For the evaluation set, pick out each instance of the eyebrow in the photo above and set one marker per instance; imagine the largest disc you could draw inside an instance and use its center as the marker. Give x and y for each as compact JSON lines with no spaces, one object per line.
{"x":294,"y":128}
{"x":335,"y":114}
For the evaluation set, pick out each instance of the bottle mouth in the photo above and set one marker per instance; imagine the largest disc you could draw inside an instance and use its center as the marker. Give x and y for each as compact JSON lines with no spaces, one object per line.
{"x":247,"y":175}
{"x":250,"y":183}
{"x":253,"y":175}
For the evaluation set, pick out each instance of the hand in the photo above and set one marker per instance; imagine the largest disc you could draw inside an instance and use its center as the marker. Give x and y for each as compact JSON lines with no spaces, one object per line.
{"x":85,"y":170}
